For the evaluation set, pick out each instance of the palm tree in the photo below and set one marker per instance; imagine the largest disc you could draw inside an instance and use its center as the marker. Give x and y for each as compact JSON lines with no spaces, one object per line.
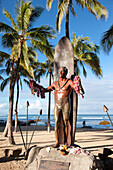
{"x":16,"y":37}
{"x":107,"y":40}
{"x":49,"y":71}
{"x":85,"y":53}
{"x":93,"y":6}
{"x":22,"y":72}
{"x":46,"y":68}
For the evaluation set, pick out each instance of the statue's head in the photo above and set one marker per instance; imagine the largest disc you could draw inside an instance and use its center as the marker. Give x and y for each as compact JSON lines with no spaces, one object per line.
{"x":63,"y":72}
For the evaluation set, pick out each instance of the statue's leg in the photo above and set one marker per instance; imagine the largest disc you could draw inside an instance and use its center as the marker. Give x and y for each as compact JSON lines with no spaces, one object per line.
{"x":65,"y":112}
{"x":65,"y":131}
{"x":57,"y":117}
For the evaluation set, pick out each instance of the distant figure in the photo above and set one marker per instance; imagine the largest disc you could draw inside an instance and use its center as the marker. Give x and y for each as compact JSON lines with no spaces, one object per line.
{"x":84,"y":123}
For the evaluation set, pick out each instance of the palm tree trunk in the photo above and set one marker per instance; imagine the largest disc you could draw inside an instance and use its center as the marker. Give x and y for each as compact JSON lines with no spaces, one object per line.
{"x":74,"y":100}
{"x":19,"y":55}
{"x":8,"y":129}
{"x":67,"y":19}
{"x":11,"y":99}
{"x":16,"y":75}
{"x":49,"y":105}
{"x":16,"y":107}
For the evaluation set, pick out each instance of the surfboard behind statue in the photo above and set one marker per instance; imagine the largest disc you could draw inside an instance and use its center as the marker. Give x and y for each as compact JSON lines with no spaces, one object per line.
{"x":63,"y":57}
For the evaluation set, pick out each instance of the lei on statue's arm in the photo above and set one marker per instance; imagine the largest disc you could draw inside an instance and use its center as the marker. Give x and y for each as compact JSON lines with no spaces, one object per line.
{"x":36,"y":88}
{"x":78,"y":87}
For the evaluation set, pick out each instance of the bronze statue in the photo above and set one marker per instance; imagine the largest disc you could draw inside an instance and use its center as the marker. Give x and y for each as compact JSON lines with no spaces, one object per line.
{"x":62,"y":89}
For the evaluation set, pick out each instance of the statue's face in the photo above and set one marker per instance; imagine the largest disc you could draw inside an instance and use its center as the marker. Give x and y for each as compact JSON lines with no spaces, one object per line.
{"x":62,"y":73}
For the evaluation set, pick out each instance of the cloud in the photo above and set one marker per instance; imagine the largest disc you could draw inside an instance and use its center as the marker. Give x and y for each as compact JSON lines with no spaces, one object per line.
{"x":36,"y":104}
{"x":3,"y":105}
{"x":97,"y":93}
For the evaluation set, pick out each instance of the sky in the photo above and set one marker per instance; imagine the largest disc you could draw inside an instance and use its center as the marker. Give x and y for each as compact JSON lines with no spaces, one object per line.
{"x":98,"y":92}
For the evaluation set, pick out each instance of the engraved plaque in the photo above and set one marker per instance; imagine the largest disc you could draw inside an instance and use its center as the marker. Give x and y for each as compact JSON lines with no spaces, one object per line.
{"x":53,"y":165}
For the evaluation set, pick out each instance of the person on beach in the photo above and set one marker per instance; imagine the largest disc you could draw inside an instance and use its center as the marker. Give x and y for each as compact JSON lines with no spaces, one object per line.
{"x":84,"y":123}
{"x":62,"y":89}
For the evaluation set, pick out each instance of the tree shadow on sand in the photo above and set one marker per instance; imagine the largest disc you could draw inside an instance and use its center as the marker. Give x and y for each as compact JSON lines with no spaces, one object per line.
{"x":11,"y":158}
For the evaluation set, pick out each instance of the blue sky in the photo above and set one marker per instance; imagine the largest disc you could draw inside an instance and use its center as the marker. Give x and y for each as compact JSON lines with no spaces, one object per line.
{"x":97,"y":91}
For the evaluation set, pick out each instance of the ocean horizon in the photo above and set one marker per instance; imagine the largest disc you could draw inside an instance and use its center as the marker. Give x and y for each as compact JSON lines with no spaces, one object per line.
{"x":92,"y":120}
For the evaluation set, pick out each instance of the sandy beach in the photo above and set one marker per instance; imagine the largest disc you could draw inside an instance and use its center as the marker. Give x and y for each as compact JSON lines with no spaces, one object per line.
{"x":90,"y":139}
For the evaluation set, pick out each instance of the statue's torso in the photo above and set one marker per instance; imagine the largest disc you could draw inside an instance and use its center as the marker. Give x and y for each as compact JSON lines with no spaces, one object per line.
{"x":62,"y":91}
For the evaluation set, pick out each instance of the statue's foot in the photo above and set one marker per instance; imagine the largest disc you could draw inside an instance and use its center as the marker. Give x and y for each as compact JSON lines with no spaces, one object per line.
{"x":56,"y":145}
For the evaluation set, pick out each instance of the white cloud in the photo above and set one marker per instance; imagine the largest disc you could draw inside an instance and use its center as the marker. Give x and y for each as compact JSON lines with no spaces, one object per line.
{"x":97,"y":93}
{"x":35,"y":104}
{"x":3,"y":105}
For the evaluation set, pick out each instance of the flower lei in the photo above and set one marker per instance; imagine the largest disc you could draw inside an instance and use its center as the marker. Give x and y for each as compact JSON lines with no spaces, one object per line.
{"x":60,"y":87}
{"x":36,"y":88}
{"x":78,"y":86}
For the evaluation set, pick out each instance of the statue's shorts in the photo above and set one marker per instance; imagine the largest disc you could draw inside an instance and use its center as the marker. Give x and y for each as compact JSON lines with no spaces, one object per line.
{"x":61,"y":108}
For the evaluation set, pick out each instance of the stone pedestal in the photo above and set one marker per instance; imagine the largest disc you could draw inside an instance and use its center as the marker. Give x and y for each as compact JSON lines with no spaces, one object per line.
{"x":49,"y":158}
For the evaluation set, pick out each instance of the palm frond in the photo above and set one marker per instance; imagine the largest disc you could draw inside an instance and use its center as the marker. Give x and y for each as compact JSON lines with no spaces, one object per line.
{"x":60,"y":14}
{"x":8,"y":15}
{"x":6,"y":28}
{"x":4,"y":83}
{"x":94,"y":63}
{"x":24,"y":13}
{"x":27,"y":82}
{"x":84,"y":70}
{"x":93,"y":6}
{"x":8,"y":39}
{"x":44,"y":48}
{"x":20,"y":82}
{"x":1,"y":78}
{"x":49,"y":4}
{"x":41,"y":33}
{"x":107,"y":40}
{"x":4,"y":56}
{"x":85,"y":52}
{"x":72,"y":9}
{"x":36,"y":12}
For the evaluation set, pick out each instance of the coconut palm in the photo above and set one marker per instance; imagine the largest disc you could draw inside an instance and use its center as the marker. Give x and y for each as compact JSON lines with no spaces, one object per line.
{"x":49,"y":72}
{"x":16,"y":37}
{"x":11,"y":62}
{"x":46,"y":68}
{"x":107,"y":40}
{"x":22,"y":72}
{"x":93,"y":6}
{"x":85,"y":53}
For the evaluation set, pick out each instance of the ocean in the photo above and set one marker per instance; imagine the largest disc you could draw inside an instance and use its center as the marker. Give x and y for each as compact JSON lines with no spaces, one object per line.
{"x":90,"y":120}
